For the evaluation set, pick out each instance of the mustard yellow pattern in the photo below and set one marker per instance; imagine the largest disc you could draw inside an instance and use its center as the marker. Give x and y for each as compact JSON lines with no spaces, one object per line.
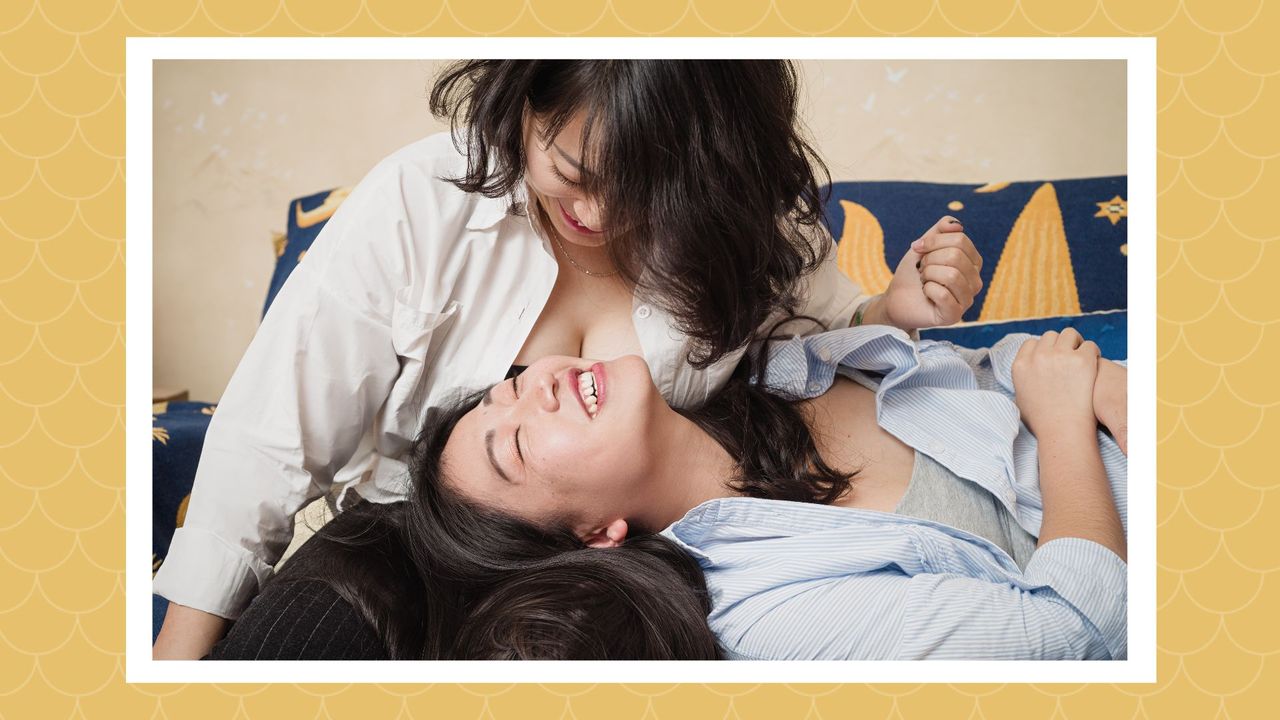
{"x":318,"y":214}
{"x":62,"y":255}
{"x":1034,"y":277}
{"x":1113,"y":209}
{"x":860,"y":253}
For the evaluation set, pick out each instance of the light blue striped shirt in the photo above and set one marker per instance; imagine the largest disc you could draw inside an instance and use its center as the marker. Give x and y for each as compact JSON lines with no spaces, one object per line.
{"x":799,"y":581}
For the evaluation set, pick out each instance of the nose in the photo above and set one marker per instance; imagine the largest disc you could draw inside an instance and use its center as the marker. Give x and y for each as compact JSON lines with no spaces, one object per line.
{"x":543,"y":393}
{"x":588,"y":212}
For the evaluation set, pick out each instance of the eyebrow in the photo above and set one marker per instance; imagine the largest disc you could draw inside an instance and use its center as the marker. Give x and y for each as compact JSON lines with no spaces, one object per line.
{"x":572,"y":160}
{"x":493,"y":459}
{"x":487,"y":398}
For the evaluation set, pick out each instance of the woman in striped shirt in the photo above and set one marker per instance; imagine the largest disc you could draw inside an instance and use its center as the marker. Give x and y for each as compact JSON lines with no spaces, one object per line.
{"x":903,"y":503}
{"x":882,"y":500}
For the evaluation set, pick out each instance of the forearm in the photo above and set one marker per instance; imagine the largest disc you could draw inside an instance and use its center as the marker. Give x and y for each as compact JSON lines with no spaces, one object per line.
{"x":187,"y":634}
{"x":1075,"y":493}
{"x":873,"y":312}
{"x":1111,"y":401}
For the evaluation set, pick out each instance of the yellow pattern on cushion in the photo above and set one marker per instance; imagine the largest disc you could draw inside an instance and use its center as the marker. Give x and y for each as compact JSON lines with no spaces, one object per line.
{"x":325,"y":211}
{"x":182,"y":511}
{"x":992,"y":187}
{"x":1113,"y":209}
{"x":159,"y":433}
{"x":1034,"y":277}
{"x":280,"y":241}
{"x":860,"y":254}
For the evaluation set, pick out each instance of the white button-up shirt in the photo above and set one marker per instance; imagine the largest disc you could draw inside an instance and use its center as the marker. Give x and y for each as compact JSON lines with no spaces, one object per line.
{"x":413,"y":292}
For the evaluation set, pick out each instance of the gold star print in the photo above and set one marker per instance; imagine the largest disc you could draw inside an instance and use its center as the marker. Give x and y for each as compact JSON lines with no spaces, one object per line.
{"x":1113,"y":209}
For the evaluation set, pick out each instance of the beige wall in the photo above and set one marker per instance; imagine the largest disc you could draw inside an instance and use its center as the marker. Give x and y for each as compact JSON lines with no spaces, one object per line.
{"x":234,"y":141}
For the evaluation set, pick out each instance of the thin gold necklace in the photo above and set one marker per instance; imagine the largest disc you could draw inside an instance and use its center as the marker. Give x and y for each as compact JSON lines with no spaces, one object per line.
{"x":555,"y":235}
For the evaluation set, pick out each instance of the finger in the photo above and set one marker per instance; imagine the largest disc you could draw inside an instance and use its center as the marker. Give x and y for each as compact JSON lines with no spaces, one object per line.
{"x":1047,"y":341}
{"x":953,"y":280}
{"x":958,"y":259}
{"x":1069,"y":338}
{"x":931,"y":242}
{"x":1025,"y":352}
{"x":946,"y":308}
{"x":946,"y":224}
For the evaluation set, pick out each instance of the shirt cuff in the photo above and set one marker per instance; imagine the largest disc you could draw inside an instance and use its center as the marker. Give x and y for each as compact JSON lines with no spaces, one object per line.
{"x":203,"y":572}
{"x":1092,"y":579}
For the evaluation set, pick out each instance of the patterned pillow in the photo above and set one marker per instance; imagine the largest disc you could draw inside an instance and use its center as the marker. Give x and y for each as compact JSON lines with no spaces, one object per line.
{"x":1051,"y":248}
{"x":307,"y":215}
{"x":177,"y":435}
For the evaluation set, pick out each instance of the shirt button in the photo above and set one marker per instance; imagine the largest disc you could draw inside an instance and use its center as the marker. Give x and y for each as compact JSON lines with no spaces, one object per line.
{"x":825,"y":354}
{"x":938,"y":449}
{"x":643,"y":312}
{"x":815,"y":387}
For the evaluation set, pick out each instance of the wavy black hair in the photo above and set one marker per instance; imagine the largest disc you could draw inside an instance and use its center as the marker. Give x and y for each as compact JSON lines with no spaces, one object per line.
{"x":443,"y":577}
{"x":709,"y":190}
{"x":437,"y":578}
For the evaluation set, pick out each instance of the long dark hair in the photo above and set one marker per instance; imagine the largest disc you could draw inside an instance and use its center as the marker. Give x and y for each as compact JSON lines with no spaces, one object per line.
{"x":439,"y":578}
{"x":709,"y":190}
{"x":450,"y":578}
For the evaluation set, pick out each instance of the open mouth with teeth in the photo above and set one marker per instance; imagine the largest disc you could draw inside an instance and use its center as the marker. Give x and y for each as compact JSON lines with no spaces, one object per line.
{"x":591,"y":389}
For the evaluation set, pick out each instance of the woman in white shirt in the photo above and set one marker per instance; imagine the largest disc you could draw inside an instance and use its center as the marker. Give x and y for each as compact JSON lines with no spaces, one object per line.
{"x":584,"y":208}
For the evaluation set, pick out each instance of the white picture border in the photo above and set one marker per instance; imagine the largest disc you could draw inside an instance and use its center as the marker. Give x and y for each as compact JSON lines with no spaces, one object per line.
{"x":1141,"y":78}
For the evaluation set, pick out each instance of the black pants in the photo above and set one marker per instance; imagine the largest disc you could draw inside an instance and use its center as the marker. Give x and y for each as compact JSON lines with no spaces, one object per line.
{"x":300,"y":616}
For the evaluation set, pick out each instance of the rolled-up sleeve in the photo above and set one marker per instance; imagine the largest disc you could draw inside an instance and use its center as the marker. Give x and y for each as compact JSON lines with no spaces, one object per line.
{"x":306,"y":392}
{"x":1077,"y":612}
{"x":828,"y":294}
{"x":1092,"y":580}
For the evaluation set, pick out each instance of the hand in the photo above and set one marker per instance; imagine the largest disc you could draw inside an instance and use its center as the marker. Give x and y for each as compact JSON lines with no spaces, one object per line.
{"x":1111,"y":401}
{"x":936,"y":281}
{"x":1053,"y":381}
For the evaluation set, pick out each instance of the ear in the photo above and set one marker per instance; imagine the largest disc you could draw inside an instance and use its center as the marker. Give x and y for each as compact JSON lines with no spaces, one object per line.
{"x":608,"y":536}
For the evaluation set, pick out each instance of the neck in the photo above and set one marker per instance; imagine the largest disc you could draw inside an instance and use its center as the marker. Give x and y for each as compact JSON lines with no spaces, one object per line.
{"x":694,"y":468}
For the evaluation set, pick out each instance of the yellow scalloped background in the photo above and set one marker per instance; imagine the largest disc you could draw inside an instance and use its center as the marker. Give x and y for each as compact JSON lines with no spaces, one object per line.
{"x":62,"y":355}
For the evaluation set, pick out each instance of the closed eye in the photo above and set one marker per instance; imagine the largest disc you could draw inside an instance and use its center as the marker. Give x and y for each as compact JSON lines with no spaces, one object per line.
{"x":560,"y":176}
{"x":515,"y":389}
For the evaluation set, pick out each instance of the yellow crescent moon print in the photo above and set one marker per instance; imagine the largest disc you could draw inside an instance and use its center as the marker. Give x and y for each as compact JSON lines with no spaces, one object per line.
{"x":992,"y":187}
{"x":182,"y":511}
{"x":860,"y":254}
{"x":1034,"y":277}
{"x":307,"y":218}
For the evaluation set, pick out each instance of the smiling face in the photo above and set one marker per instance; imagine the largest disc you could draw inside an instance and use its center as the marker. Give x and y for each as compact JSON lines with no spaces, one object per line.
{"x":538,"y":448}
{"x":554,"y":171}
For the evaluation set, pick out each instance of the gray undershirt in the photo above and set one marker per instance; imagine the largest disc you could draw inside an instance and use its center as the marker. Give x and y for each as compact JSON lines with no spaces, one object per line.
{"x":935,"y":493}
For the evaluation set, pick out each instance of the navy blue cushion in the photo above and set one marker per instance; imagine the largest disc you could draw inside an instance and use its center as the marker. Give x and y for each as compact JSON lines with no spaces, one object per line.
{"x":1073,"y":229}
{"x":307,"y":216}
{"x":1109,"y":330}
{"x":177,"y":436}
